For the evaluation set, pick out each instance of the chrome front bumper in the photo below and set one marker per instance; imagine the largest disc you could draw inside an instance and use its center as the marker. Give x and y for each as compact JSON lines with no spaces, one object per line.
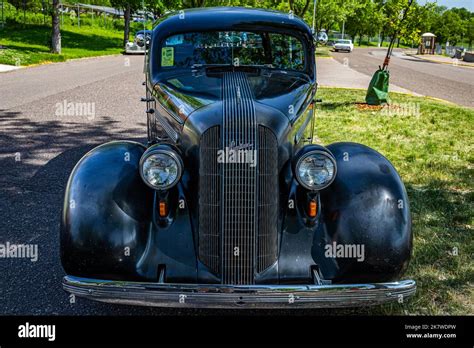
{"x":235,"y":296}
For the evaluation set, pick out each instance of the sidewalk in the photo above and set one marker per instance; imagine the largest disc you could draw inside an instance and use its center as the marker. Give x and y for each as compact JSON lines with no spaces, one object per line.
{"x":331,"y":73}
{"x":5,"y":68}
{"x":441,"y":59}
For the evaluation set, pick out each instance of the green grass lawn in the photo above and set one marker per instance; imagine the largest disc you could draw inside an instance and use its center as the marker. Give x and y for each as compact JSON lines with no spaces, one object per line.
{"x":323,"y":51}
{"x":364,"y":44}
{"x":433,"y":152}
{"x":29,"y":44}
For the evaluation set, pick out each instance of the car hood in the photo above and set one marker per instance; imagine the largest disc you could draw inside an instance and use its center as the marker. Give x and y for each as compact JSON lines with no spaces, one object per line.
{"x":184,"y":93}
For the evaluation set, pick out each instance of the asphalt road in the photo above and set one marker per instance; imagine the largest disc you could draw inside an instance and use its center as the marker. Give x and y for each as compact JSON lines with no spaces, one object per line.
{"x":39,"y":146}
{"x":448,"y":82}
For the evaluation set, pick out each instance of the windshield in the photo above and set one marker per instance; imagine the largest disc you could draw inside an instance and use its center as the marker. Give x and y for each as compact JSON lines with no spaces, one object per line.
{"x":237,"y":48}
{"x":344,"y":41}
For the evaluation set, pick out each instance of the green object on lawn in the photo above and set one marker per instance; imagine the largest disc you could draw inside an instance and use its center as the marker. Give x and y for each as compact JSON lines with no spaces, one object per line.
{"x":377,"y":93}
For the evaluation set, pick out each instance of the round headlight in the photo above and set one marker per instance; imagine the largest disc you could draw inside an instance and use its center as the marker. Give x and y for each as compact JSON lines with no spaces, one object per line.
{"x":140,"y":40}
{"x":161,"y":169}
{"x":316,"y":170}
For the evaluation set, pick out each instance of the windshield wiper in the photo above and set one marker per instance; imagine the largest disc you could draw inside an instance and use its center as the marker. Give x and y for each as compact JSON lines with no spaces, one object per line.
{"x":200,"y":66}
{"x":266,"y":66}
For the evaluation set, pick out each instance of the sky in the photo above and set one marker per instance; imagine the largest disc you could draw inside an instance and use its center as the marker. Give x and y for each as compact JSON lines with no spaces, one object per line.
{"x":469,"y":4}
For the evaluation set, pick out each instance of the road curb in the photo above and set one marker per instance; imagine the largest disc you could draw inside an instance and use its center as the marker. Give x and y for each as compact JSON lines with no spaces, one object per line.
{"x":65,"y":61}
{"x":5,"y":68}
{"x":463,"y":65}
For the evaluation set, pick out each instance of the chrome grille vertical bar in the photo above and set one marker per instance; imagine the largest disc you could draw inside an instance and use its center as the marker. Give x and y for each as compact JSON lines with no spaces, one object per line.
{"x":239,"y":183}
{"x":238,"y":203}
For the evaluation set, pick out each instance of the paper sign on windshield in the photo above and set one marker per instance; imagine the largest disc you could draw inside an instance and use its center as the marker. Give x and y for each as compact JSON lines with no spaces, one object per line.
{"x":167,"y":56}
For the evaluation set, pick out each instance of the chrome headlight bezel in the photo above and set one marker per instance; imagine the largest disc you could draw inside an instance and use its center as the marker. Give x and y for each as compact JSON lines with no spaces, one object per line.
{"x":307,"y":154}
{"x":162,"y":150}
{"x":140,"y":40}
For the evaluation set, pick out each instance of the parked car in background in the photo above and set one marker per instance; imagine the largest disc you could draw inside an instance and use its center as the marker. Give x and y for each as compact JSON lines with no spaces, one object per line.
{"x":343,"y":45}
{"x":230,"y":203}
{"x":138,"y":45}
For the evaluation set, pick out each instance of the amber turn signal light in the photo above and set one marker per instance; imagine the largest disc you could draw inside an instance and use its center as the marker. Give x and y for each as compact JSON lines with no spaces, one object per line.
{"x":312,"y":209}
{"x":163,"y":209}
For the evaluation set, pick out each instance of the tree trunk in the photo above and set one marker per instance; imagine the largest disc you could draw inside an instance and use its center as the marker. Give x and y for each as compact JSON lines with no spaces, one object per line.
{"x":56,"y":33}
{"x":297,"y":10}
{"x":305,"y":8}
{"x":198,"y":3}
{"x":126,"y":31}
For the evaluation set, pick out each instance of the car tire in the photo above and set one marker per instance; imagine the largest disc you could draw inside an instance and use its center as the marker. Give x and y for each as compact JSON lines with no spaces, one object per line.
{"x":336,"y":50}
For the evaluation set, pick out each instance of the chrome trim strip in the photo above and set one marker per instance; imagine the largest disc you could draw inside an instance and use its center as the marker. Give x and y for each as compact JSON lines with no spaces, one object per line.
{"x":166,"y":108}
{"x":300,"y":132}
{"x":235,"y":296}
{"x":164,"y":123}
{"x":238,"y":243}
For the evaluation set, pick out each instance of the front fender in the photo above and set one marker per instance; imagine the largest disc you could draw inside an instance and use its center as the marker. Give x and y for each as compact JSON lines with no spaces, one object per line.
{"x":365,"y":207}
{"x":106,"y":213}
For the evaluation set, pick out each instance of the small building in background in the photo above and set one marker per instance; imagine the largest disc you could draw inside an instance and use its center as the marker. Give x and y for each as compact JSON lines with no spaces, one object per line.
{"x":428,"y":44}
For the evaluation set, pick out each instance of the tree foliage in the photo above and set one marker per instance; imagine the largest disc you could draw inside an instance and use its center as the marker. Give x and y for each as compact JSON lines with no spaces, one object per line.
{"x":129,"y":7}
{"x":385,"y":16}
{"x":361,"y":17}
{"x":450,"y":27}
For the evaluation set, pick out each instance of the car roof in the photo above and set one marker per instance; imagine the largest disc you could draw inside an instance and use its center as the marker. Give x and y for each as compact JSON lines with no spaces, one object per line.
{"x":229,"y":18}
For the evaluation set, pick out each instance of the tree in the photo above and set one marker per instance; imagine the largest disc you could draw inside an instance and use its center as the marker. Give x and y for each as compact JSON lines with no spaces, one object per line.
{"x":470,"y":32}
{"x":56,"y":32}
{"x":194,"y":3}
{"x":400,"y":18}
{"x":429,"y":17}
{"x":159,"y":7}
{"x":128,"y":7}
{"x":450,"y":27}
{"x":364,"y":20}
{"x":332,"y":12}
{"x":464,"y":14}
{"x":299,"y":7}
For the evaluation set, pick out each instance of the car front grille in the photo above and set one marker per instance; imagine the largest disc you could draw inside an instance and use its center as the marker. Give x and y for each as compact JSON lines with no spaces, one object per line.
{"x":210,"y":189}
{"x":238,"y":201}
{"x":267,"y":199}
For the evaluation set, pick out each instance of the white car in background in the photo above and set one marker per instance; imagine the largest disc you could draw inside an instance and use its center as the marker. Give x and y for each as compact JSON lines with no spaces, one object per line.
{"x":343,"y":45}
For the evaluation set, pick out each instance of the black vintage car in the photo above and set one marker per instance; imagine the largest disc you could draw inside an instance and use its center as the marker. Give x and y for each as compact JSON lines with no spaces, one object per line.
{"x":230,"y":203}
